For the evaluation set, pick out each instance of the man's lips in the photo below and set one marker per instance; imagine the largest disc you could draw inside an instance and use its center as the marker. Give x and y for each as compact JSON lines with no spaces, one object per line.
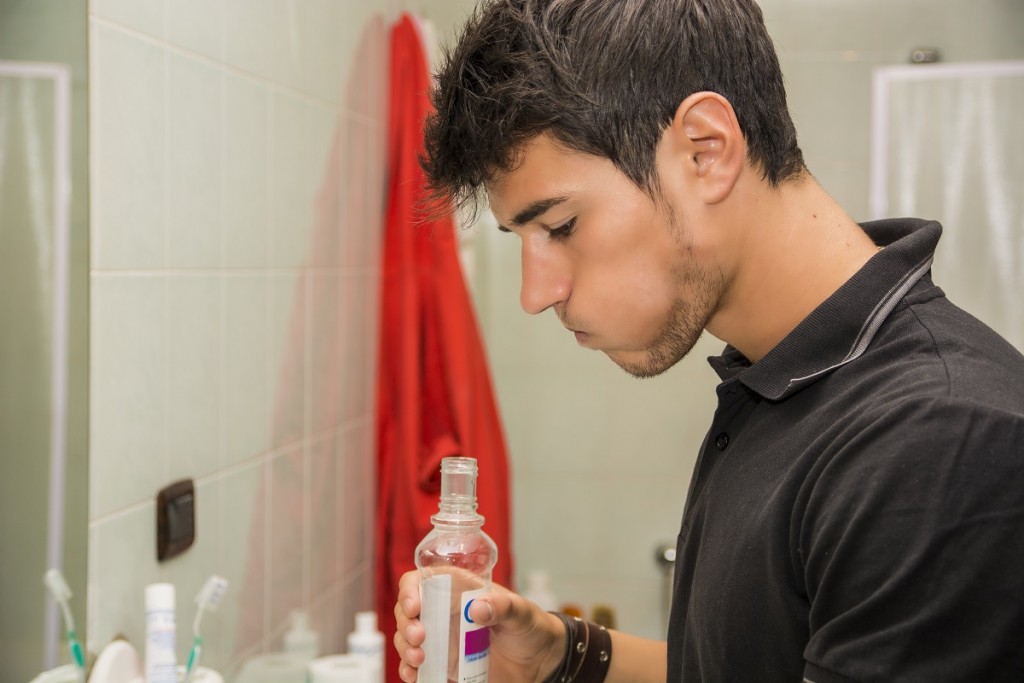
{"x":581,"y":337}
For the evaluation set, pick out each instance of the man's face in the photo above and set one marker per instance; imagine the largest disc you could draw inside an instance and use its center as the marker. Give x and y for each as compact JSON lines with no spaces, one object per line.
{"x":622,"y":271}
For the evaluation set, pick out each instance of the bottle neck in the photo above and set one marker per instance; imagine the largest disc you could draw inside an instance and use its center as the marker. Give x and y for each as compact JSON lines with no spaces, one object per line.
{"x":457,"y":512}
{"x":458,"y":494}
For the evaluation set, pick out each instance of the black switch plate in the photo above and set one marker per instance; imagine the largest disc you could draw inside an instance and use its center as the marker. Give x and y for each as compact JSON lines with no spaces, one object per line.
{"x":175,"y":519}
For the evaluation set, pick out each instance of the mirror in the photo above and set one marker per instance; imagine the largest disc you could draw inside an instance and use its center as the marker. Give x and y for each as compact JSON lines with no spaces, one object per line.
{"x":44,"y":309}
{"x":588,"y":442}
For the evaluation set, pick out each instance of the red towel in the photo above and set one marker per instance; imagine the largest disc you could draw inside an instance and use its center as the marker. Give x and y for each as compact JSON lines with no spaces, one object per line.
{"x":434,"y":390}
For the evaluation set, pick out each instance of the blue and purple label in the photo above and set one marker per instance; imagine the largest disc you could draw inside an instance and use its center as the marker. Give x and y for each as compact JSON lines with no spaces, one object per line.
{"x":474,"y":644}
{"x":478,"y":643}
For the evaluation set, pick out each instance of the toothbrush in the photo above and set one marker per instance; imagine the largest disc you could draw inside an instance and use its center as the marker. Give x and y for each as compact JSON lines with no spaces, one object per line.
{"x":61,"y":593}
{"x":208,"y":598}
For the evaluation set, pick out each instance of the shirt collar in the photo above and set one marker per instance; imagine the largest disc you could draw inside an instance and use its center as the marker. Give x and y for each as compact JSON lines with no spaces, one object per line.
{"x":841,"y":328}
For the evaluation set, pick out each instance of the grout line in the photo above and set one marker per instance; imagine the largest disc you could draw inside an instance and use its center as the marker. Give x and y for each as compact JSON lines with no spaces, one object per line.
{"x":222,"y":49}
{"x":122,"y":512}
{"x":268,"y":177}
{"x":267,"y":554}
{"x":266,"y":372}
{"x":307,"y":426}
{"x":345,"y":532}
{"x":268,"y":378}
{"x":164,"y":258}
{"x":222,"y":317}
{"x":345,"y":271}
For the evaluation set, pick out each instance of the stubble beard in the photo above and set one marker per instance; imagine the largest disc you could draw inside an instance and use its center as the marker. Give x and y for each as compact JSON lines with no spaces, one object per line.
{"x":686,"y":321}
{"x":679,"y":335}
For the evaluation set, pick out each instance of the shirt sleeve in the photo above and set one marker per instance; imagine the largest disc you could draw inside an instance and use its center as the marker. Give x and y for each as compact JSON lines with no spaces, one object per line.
{"x":911,"y":546}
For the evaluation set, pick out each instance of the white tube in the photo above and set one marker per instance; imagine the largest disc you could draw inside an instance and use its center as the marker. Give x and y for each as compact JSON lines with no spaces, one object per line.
{"x":161,"y":661}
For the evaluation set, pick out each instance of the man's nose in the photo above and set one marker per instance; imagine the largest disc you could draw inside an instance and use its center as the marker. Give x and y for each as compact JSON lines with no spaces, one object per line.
{"x":546,"y":279}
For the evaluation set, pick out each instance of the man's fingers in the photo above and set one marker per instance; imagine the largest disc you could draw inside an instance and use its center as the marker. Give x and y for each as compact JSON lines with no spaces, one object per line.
{"x":407,"y":642}
{"x":407,"y":673}
{"x":408,"y":602}
{"x":502,"y":607}
{"x":415,"y":634}
{"x":482,"y":612}
{"x":409,"y":634}
{"x":410,"y":651}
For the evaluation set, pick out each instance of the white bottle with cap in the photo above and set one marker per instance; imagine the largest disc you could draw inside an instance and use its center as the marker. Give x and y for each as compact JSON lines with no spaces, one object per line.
{"x":301,"y":639}
{"x":367,"y":641}
{"x":538,"y":590}
{"x":161,"y":660}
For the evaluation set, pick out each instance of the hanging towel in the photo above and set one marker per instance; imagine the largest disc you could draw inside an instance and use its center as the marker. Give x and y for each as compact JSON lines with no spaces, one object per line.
{"x":434,"y":391}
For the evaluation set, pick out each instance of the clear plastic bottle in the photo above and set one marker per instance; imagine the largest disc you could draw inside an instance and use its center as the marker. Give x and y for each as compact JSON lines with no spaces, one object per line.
{"x":455,"y":562}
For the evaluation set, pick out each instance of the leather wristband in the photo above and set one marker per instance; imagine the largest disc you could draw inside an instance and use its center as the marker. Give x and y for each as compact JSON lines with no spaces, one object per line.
{"x":588,"y":652}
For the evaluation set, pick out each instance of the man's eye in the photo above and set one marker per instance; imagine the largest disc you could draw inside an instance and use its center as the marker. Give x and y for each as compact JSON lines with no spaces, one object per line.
{"x":564,"y":230}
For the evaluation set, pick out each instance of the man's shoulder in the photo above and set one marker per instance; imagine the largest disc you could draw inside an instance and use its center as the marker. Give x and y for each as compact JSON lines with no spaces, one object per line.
{"x":932,"y":349}
{"x":936,"y":388}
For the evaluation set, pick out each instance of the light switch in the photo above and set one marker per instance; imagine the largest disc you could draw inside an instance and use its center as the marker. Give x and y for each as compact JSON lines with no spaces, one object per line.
{"x":175,"y":519}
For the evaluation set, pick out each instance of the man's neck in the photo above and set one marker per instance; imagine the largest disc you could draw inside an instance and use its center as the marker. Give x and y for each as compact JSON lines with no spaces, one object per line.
{"x":797,"y":251}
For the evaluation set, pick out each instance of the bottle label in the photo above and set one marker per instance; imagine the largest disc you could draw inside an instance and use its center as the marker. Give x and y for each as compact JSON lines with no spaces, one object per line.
{"x":468,"y":663}
{"x":161,"y":663}
{"x":474,"y":643}
{"x":435,"y":612}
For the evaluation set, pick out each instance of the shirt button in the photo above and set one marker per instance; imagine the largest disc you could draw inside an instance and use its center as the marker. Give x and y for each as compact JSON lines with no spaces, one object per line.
{"x":722,"y":441}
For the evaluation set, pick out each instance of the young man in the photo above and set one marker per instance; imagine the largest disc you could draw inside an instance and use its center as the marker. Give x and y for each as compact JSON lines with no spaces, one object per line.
{"x":857,"y":510}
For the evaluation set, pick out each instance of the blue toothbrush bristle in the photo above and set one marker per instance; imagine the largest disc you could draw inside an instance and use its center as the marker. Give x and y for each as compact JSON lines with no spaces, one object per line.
{"x":212,"y":592}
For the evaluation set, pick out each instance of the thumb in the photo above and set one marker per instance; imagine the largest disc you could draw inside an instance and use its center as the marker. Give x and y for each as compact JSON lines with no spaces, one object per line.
{"x":526,"y":635}
{"x":481,"y":611}
{"x":510,"y":610}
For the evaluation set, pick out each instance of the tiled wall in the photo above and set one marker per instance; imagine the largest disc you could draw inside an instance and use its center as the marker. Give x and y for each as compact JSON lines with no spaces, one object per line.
{"x":237,"y":176}
{"x":582,"y":434}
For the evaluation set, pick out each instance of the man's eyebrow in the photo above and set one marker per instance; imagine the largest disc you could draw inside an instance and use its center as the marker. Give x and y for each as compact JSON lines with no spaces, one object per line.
{"x":532,"y":211}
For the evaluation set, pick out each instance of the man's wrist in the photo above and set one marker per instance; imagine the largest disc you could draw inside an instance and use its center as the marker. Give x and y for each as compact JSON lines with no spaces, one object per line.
{"x":586,"y":654}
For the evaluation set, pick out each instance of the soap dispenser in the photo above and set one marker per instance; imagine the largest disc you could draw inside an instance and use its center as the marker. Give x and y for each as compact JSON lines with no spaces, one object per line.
{"x":300,"y":639}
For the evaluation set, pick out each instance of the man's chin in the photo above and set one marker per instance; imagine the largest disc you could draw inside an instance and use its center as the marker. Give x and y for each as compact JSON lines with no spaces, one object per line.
{"x":655,"y":360}
{"x":642,"y":368}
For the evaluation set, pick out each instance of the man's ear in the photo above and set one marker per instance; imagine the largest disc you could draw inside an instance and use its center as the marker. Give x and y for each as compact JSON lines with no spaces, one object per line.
{"x":706,"y":127}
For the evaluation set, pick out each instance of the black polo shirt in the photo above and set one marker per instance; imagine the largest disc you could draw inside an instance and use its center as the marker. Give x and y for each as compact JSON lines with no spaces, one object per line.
{"x":857,"y":510}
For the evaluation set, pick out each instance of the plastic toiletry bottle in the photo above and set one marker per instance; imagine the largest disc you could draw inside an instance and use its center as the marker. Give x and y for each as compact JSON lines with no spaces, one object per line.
{"x":538,"y":589}
{"x":368,"y":642}
{"x":300,"y":639}
{"x":161,"y":660}
{"x":455,"y":562}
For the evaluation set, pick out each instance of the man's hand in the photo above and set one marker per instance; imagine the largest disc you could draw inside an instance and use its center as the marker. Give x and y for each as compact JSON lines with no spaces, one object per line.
{"x":527,"y":643}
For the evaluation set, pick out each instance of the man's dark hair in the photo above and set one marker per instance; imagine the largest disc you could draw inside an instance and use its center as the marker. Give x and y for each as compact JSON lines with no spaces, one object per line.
{"x":604,"y":77}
